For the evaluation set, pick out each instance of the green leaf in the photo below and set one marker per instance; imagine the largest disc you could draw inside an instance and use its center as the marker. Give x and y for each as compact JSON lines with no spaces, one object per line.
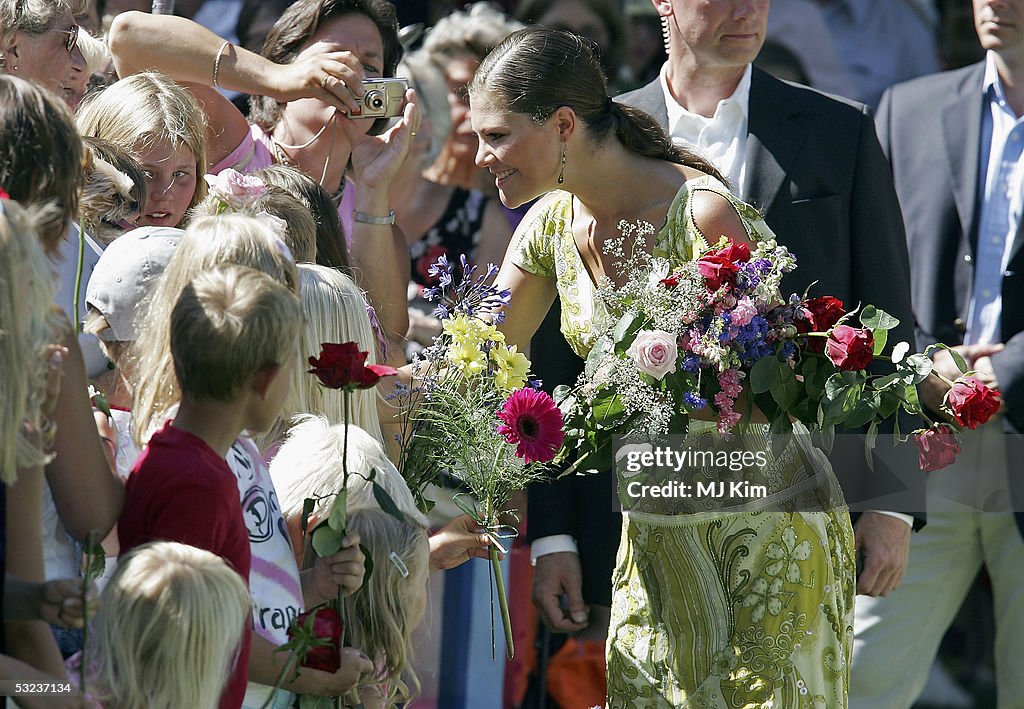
{"x":386,"y":503}
{"x":890,"y":404}
{"x":877,"y":319}
{"x":918,"y":367}
{"x":869,"y":444}
{"x":367,"y":564}
{"x":326,"y":541}
{"x":865,"y":410}
{"x":627,"y":326}
{"x":880,"y":338}
{"x":765,"y":374}
{"x":840,"y":381}
{"x":787,"y":390}
{"x":961,"y":363}
{"x":607,"y":406}
{"x":338,"y":518}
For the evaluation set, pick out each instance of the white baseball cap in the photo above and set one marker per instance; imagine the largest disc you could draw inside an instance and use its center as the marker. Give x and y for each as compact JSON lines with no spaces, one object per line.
{"x":124,"y":275}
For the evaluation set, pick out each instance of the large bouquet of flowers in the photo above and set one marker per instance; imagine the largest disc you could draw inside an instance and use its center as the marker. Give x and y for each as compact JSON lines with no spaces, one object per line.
{"x":683,"y":338}
{"x":473,"y":413}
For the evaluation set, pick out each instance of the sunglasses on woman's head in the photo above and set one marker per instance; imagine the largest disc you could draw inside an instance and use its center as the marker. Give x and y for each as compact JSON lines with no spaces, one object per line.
{"x":72,"y":40}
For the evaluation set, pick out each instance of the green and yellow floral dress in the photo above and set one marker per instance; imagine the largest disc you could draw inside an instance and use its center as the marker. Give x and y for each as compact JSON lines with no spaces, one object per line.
{"x":748,"y":606}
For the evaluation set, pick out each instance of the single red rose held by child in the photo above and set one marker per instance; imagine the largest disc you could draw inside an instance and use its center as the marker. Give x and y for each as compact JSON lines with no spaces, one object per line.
{"x":533,"y":421}
{"x":735,"y":252}
{"x":970,"y":402}
{"x":717,"y":271}
{"x":344,"y":367}
{"x":324,"y":628}
{"x":937,"y":447}
{"x":849,"y":348}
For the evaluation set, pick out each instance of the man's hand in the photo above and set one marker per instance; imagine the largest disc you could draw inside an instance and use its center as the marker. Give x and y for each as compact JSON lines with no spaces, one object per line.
{"x":554,"y":575}
{"x":883,"y":542}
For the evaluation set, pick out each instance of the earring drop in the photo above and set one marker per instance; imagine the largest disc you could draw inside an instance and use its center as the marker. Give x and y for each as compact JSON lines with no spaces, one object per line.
{"x":561,"y":171}
{"x":665,"y":33}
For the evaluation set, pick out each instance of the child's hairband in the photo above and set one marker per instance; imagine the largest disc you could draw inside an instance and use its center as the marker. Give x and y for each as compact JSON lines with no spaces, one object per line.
{"x":399,"y":564}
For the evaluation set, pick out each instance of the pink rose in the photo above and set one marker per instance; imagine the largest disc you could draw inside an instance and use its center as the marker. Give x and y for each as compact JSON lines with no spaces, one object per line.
{"x":654,"y":352}
{"x":236,"y":190}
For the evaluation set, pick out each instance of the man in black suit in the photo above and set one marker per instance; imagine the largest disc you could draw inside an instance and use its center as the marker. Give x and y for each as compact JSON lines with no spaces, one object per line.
{"x":956,"y":144}
{"x":814,"y":167}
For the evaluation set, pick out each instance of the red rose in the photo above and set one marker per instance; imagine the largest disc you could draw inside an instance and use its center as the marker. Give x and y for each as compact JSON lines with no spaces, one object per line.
{"x":737,"y":253}
{"x":344,"y":367}
{"x":937,"y":447}
{"x":970,"y":402}
{"x":322,"y":629}
{"x":821,"y":314}
{"x":849,"y":348}
{"x":717,"y":271}
{"x":672,"y":281}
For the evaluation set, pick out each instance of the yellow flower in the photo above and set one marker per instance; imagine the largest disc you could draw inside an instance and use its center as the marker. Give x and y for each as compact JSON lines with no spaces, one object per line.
{"x":512,"y":367}
{"x":468,"y":358}
{"x":467,"y":330}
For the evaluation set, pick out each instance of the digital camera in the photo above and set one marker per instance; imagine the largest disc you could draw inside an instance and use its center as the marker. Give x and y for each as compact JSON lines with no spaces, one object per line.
{"x":383,"y":98}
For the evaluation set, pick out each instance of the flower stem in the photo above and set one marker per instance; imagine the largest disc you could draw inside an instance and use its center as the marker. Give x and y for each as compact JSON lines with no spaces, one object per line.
{"x":269,"y":701}
{"x":506,"y":621}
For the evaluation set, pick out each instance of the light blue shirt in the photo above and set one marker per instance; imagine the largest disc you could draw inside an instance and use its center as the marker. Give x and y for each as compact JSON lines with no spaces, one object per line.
{"x":1001,"y":196}
{"x":883,"y":42}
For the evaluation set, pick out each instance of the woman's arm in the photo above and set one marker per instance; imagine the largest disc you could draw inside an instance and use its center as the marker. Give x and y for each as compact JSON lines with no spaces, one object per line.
{"x":187,"y":52}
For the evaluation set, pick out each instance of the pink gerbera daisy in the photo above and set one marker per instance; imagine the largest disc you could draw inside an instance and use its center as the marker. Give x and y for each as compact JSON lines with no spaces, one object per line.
{"x":532,"y":420}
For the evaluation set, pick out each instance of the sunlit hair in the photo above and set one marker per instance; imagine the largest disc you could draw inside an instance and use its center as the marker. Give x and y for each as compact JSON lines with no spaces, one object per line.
{"x":608,"y":11}
{"x":377,"y":617}
{"x":207,"y":242}
{"x":309,"y":465}
{"x":168,"y":631}
{"x":335,"y":311}
{"x":300,"y":234}
{"x":474,"y":31}
{"x":538,"y":70}
{"x":40,"y":156}
{"x":331,"y":245}
{"x":33,"y":16}
{"x":26,"y":326}
{"x":143,"y":110}
{"x":299,"y":23}
{"x":426,"y":76}
{"x":229,"y":323}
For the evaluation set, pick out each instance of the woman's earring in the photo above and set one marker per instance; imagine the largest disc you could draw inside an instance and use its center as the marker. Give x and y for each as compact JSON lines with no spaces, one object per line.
{"x":561,"y":171}
{"x":666,"y":33}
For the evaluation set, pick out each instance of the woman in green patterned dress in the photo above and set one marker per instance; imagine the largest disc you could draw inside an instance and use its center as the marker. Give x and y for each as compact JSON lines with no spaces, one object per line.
{"x":746,"y":606}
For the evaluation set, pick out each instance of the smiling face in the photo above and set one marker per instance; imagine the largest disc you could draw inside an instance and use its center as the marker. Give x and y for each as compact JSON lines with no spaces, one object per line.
{"x":43,"y":58}
{"x":170,"y":182}
{"x":354,"y":33}
{"x":524,"y":157}
{"x":718,"y":33}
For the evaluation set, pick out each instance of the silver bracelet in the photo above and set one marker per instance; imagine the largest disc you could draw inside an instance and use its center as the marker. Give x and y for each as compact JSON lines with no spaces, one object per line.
{"x":365,"y":218}
{"x":216,"y":63}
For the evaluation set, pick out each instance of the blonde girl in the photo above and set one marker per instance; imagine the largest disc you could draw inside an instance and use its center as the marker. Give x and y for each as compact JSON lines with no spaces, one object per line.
{"x":384,"y":611}
{"x":164,"y":129}
{"x":168,"y":631}
{"x":335,"y":311}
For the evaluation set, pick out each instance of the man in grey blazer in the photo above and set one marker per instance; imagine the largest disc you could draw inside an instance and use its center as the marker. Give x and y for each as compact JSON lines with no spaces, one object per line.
{"x":813,"y":166}
{"x":956,"y":144}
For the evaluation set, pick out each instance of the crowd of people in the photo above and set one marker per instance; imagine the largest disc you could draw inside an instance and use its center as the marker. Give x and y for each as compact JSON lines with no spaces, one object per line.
{"x":191,"y":203}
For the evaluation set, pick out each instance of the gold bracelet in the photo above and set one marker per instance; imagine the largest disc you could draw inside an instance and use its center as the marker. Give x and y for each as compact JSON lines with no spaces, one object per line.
{"x":216,"y":63}
{"x":365,"y":218}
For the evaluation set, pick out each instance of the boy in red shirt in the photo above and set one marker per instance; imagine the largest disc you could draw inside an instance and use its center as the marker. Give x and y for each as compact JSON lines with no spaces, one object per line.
{"x":233,"y":335}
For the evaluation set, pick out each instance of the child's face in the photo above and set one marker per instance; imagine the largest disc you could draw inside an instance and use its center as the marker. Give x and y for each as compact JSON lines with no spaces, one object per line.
{"x":269,"y":407}
{"x":170,"y":182}
{"x":416,"y":591}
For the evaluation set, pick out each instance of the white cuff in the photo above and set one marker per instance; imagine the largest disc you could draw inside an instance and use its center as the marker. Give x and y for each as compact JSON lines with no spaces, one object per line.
{"x":552,"y":545}
{"x":909,"y":519}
